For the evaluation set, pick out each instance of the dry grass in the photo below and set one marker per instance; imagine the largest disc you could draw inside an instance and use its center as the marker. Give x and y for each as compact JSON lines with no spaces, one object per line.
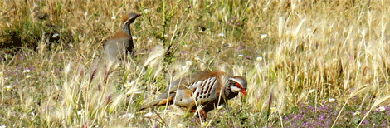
{"x":311,"y":52}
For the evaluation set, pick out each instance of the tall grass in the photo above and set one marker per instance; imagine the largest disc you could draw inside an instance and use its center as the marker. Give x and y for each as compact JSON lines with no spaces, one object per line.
{"x":326,"y":57}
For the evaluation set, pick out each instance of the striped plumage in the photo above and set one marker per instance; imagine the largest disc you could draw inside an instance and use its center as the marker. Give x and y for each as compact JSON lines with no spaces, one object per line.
{"x":122,"y":41}
{"x":207,"y":89}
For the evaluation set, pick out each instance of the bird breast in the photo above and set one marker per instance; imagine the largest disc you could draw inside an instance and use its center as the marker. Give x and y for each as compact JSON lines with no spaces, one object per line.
{"x":115,"y":47}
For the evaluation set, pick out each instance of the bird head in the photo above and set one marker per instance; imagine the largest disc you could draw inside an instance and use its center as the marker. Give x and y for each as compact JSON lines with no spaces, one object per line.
{"x":128,"y":19}
{"x":237,"y":84}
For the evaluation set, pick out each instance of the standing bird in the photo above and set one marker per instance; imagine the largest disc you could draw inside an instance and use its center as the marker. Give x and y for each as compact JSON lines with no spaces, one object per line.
{"x":207,"y":89}
{"x":122,"y":41}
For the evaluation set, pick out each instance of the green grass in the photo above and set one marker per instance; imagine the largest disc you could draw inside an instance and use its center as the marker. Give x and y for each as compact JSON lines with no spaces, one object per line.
{"x":311,"y":52}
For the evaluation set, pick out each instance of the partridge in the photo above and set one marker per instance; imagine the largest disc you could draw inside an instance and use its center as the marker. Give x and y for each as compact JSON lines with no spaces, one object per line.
{"x":207,"y":89}
{"x":122,"y":41}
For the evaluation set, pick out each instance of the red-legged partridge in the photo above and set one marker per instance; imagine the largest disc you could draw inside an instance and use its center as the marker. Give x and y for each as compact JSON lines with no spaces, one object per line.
{"x":122,"y":41}
{"x":207,"y":89}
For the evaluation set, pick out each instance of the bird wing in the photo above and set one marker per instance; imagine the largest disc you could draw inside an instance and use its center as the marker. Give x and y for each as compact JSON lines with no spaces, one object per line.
{"x":197,"y":89}
{"x":201,"y":88}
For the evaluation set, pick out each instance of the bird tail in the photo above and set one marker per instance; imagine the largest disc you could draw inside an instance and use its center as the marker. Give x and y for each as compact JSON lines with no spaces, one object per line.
{"x":157,"y":102}
{"x":148,"y":105}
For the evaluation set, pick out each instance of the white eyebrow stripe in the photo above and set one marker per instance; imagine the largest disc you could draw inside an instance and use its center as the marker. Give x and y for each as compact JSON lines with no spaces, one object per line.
{"x":235,"y":80}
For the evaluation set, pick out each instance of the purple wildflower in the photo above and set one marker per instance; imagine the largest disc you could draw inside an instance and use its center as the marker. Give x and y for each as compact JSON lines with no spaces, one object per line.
{"x":364,"y":122}
{"x":387,"y":108}
{"x":304,"y":111}
{"x":327,"y":123}
{"x":306,"y":124}
{"x":323,"y":108}
{"x":286,"y":118}
{"x":299,"y":116}
{"x":321,"y":117}
{"x":32,"y":68}
{"x":248,"y":57}
{"x":311,"y":108}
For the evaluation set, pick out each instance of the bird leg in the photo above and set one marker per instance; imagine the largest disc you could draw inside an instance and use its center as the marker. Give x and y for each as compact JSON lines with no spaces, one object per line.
{"x":203,"y":114}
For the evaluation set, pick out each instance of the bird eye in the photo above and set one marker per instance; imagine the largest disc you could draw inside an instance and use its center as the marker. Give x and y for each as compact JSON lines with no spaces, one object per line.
{"x":238,"y":85}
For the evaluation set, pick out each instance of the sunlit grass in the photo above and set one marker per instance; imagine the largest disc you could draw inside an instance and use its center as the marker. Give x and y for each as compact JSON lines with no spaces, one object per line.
{"x":308,"y":64}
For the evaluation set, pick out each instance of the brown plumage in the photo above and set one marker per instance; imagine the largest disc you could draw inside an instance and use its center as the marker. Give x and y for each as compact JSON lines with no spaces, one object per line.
{"x":122,"y":41}
{"x":207,"y":89}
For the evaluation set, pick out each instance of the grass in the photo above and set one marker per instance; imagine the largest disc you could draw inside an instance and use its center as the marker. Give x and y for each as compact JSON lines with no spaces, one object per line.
{"x":314,"y":63}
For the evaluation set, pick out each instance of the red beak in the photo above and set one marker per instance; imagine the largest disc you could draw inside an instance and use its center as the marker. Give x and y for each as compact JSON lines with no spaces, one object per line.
{"x":243,"y":92}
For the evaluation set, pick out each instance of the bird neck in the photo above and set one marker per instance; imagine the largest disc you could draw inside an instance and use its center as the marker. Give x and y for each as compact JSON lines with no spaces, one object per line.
{"x":126,"y":28}
{"x":228,"y":93}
